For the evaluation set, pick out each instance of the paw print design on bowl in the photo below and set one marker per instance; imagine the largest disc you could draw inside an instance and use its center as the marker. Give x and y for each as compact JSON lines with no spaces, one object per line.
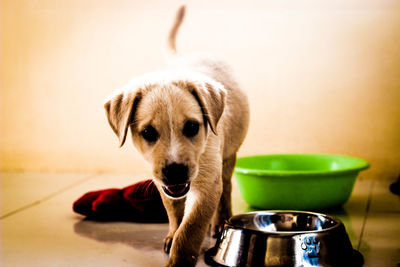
{"x":311,"y":249}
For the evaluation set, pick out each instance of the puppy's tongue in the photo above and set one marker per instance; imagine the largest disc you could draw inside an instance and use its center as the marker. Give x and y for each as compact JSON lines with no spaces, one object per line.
{"x":176,"y":191}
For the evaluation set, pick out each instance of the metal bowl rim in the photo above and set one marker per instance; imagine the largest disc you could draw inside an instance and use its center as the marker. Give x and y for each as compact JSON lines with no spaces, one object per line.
{"x":338,"y":224}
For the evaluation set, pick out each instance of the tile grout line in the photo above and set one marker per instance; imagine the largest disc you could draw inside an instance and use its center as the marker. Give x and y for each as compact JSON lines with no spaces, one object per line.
{"x":367,"y":208}
{"x":87,"y":178}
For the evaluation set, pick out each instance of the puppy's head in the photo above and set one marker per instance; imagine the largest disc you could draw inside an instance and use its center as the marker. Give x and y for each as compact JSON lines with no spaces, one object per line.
{"x":169,"y":117}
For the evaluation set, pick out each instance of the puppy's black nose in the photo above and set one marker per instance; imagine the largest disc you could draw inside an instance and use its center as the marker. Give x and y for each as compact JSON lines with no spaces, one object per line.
{"x":175,"y":174}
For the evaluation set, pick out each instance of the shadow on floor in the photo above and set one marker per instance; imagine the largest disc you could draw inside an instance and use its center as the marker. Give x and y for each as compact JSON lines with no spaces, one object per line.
{"x":136,"y":235}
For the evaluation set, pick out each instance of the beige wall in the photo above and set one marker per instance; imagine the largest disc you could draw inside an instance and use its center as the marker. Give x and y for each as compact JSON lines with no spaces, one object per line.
{"x":320,"y":77}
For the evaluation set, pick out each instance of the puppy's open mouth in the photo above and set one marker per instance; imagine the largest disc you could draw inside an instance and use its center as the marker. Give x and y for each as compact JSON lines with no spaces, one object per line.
{"x":176,"y":191}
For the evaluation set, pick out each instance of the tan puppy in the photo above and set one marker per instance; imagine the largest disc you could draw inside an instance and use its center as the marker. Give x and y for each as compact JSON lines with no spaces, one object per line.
{"x":188,"y":123}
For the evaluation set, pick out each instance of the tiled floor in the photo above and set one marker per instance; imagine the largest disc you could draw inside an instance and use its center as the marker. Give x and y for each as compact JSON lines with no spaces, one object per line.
{"x":38,"y":227}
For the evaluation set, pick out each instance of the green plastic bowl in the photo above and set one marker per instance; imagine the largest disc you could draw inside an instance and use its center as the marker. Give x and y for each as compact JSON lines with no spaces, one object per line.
{"x":297,"y":181}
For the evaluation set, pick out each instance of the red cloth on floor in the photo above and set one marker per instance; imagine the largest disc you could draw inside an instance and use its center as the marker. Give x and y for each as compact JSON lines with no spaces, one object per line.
{"x":140,"y":202}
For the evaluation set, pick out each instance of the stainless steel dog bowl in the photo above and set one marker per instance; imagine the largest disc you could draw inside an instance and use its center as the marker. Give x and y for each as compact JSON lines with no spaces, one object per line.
{"x":283,"y":238}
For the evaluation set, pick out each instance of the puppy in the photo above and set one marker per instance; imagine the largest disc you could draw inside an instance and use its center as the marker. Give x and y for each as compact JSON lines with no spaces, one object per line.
{"x":188,"y":122}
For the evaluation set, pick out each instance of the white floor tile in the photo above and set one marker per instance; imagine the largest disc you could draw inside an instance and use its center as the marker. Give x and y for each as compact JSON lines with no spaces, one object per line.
{"x":18,"y":190}
{"x":381,"y":237}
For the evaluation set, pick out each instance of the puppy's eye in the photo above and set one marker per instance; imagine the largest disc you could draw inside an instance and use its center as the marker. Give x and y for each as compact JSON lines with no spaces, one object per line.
{"x":190,"y":129}
{"x":150,"y":134}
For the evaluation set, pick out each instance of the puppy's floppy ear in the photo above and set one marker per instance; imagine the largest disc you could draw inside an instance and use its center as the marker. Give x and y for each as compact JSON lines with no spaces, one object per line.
{"x":120,"y":109}
{"x":211,"y":96}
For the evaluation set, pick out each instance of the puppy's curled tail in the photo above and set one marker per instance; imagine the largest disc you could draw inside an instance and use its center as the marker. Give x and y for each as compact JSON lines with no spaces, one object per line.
{"x":180,"y":14}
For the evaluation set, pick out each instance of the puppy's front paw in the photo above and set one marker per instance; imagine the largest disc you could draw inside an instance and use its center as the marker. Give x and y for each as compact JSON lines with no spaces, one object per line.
{"x":168,"y":243}
{"x":187,"y":261}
